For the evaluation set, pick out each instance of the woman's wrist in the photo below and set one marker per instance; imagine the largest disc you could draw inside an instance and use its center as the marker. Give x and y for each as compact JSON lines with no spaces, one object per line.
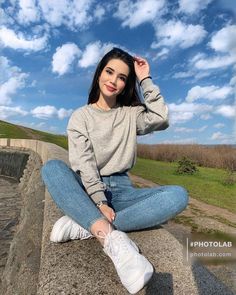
{"x":101,"y":203}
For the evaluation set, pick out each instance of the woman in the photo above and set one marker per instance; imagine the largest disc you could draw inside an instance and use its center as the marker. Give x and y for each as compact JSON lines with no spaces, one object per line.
{"x":96,"y":194}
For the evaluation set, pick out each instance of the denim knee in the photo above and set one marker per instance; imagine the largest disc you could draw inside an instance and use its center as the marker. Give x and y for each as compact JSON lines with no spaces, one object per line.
{"x":181,"y":195}
{"x":52,"y":166}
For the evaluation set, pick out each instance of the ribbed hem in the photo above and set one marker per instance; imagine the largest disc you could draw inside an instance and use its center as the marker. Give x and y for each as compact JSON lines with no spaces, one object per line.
{"x":147,"y":83}
{"x":98,"y":196}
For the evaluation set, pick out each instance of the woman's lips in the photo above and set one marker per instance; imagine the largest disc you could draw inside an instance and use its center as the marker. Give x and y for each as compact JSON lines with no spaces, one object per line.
{"x":111,"y":89}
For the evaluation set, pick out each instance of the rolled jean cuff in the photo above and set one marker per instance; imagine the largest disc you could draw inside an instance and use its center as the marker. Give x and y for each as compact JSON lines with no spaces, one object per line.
{"x":90,"y":224}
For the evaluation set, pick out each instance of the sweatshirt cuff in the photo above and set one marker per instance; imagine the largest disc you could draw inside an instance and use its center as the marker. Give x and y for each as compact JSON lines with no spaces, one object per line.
{"x":147,"y":83}
{"x":98,"y":196}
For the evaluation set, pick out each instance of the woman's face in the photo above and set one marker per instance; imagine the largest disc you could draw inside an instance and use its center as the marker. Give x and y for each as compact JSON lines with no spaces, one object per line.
{"x":113,"y":78}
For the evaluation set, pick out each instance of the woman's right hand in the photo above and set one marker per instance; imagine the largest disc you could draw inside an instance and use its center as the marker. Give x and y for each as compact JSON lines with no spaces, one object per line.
{"x":108,"y":212}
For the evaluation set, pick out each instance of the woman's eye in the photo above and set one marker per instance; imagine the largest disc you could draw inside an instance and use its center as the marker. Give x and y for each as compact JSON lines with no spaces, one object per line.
{"x":109,"y":72}
{"x":123,"y":79}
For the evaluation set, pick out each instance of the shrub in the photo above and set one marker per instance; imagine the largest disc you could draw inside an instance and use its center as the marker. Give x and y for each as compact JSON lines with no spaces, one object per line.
{"x":186,"y":166}
{"x":230,"y":178}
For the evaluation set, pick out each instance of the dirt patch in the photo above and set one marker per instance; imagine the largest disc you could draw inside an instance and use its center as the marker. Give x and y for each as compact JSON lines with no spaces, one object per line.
{"x":30,"y":133}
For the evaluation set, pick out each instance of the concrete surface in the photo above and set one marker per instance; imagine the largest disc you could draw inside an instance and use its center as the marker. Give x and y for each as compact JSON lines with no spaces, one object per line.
{"x":20,"y":275}
{"x":81,"y":267}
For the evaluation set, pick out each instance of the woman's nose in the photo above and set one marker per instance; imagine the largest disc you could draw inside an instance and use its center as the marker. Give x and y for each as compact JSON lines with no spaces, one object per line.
{"x":113,"y":80}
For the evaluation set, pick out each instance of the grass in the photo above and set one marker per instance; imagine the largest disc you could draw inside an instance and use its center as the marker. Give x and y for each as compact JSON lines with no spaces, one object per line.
{"x":206,"y":185}
{"x":60,"y":140}
{"x":8,"y":130}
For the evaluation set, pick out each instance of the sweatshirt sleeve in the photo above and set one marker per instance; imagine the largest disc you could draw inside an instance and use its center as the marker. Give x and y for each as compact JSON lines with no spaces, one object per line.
{"x":155,"y":116}
{"x":82,"y":158}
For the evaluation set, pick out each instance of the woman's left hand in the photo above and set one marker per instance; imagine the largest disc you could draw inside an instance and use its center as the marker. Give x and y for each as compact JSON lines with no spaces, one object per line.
{"x":141,"y":67}
{"x":108,"y":212}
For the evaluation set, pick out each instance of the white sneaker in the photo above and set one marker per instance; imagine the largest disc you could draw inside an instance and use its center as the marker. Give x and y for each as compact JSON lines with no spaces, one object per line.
{"x":66,"y":229}
{"x":133,"y":268}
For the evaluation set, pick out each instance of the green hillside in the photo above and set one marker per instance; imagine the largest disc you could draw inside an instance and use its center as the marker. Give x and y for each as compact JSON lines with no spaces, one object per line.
{"x":8,"y":130}
{"x":207,"y":185}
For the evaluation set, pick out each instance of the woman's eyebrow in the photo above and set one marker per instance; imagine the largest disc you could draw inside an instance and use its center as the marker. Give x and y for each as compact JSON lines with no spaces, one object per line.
{"x":114,"y":71}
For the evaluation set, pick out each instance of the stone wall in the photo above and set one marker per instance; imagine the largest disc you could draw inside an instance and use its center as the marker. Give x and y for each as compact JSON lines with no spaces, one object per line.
{"x":23,"y":159}
{"x":81,"y":267}
{"x":12,"y":163}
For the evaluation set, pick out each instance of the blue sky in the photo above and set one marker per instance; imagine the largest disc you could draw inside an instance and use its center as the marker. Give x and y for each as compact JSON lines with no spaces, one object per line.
{"x":50,"y":49}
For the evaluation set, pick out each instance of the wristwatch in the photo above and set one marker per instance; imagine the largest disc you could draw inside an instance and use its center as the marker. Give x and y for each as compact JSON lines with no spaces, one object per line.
{"x":100,"y":203}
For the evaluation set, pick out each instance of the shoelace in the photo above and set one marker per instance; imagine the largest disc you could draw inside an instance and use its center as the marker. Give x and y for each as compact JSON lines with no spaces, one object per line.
{"x":111,"y":247}
{"x":78,"y":232}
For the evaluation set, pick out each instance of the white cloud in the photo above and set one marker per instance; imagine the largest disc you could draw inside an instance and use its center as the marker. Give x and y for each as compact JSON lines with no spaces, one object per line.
{"x":8,"y":38}
{"x":136,"y":13}
{"x":202,"y":128}
{"x":224,"y":40}
{"x":176,"y":33}
{"x":208,"y":92}
{"x":73,"y":14}
{"x":11,"y":80}
{"x":93,"y":53}
{"x":63,"y":113}
{"x":216,"y":135}
{"x":223,"y":43}
{"x":219,"y":125}
{"x":99,"y":13}
{"x":193,"y":7}
{"x":181,"y":113}
{"x":183,"y":129}
{"x":5,"y":19}
{"x":162,"y":54}
{"x":48,"y":111}
{"x":180,"y":75}
{"x":191,"y":140}
{"x":6,"y":112}
{"x":233,"y":81}
{"x":64,"y":58}
{"x":28,"y":12}
{"x":226,"y":111}
{"x":10,"y":87}
{"x":205,"y":116}
{"x":215,"y":62}
{"x":223,"y":138}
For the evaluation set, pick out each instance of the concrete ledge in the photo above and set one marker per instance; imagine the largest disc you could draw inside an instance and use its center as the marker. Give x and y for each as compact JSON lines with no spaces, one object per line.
{"x":20,"y":270}
{"x":81,"y":267}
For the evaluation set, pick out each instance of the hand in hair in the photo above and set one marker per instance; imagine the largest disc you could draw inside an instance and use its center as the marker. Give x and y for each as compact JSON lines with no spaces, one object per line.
{"x":141,"y":67}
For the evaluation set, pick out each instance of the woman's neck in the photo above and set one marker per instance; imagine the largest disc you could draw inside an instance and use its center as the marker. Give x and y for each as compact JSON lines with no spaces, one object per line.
{"x":106,"y":104}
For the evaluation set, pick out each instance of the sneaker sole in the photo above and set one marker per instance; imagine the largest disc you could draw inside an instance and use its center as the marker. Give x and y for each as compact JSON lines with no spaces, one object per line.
{"x":141,"y":283}
{"x":56,"y":234}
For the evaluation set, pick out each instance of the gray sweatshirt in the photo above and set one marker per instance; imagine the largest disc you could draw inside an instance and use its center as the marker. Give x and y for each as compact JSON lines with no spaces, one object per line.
{"x":105,"y":142}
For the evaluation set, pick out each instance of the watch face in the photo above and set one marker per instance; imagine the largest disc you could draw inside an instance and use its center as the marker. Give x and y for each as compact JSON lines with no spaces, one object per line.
{"x":99,"y":204}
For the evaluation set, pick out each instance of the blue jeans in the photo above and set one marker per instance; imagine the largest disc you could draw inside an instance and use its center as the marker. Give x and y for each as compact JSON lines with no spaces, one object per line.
{"x":136,"y":208}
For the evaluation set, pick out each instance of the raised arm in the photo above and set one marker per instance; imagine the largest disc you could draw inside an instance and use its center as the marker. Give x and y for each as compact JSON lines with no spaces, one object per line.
{"x":155,"y":116}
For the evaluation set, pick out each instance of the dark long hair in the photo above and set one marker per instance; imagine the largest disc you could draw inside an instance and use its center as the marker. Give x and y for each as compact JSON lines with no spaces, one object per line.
{"x":129,"y":96}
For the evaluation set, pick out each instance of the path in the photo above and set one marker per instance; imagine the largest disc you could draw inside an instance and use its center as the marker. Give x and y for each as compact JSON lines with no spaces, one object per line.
{"x":30,"y":133}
